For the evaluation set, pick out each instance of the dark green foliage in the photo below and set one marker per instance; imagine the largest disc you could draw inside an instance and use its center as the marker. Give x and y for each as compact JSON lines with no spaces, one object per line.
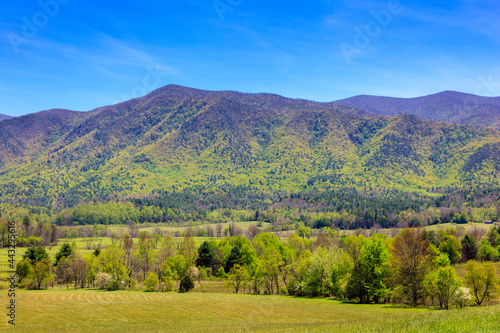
{"x":234,"y":257}
{"x":26,"y":221}
{"x":113,"y":285}
{"x":493,"y":237}
{"x":461,"y":219}
{"x":186,"y":284}
{"x":367,"y":281}
{"x":97,"y":252}
{"x":469,"y":248}
{"x":36,"y":254}
{"x":207,"y":257}
{"x":64,"y":251}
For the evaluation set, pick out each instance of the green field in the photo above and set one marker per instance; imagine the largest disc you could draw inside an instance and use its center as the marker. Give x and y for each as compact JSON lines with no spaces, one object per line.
{"x":123,"y":229}
{"x":96,"y":311}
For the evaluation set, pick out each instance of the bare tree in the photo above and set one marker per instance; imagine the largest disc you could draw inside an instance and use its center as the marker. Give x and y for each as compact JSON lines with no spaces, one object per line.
{"x":80,"y":269}
{"x":132,"y":262}
{"x":146,"y":252}
{"x":133,"y":229}
{"x":210,"y":231}
{"x":477,"y":234}
{"x":218,"y":230}
{"x":63,"y":271}
{"x":253,"y":230}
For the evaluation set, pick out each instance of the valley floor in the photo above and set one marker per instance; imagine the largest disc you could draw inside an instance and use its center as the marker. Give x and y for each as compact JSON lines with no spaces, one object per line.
{"x":127,"y":311}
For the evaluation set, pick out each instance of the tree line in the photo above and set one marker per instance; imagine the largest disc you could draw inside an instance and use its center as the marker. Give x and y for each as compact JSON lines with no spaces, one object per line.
{"x":415,"y":267}
{"x":346,"y":208}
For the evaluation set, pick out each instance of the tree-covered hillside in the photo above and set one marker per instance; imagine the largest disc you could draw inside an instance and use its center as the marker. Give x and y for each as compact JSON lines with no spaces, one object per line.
{"x":178,"y":138}
{"x":449,"y":106}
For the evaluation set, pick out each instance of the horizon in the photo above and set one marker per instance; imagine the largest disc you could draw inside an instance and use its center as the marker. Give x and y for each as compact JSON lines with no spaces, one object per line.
{"x":256,"y":93}
{"x":63,"y":54}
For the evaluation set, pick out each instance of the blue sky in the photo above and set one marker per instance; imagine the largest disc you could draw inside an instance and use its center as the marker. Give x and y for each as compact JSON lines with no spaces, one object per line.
{"x":80,"y":55}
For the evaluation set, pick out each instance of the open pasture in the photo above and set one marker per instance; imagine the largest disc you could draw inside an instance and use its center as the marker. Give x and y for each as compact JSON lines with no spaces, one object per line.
{"x":126,"y":311}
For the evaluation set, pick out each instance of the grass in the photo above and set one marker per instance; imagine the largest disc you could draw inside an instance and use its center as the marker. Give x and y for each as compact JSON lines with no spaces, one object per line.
{"x":121,"y":229}
{"x":126,"y":311}
{"x":468,"y":226}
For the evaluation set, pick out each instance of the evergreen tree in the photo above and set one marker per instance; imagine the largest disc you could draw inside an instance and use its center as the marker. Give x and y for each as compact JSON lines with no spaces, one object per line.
{"x":469,"y":248}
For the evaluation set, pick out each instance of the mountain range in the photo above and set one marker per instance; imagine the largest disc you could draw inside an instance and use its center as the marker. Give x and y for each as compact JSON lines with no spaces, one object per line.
{"x":177,"y":137}
{"x":449,"y":106}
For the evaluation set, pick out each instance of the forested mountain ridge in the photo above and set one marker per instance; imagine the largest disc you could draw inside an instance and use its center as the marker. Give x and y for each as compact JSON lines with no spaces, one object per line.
{"x":176,"y":138}
{"x":4,"y":117}
{"x":449,"y":106}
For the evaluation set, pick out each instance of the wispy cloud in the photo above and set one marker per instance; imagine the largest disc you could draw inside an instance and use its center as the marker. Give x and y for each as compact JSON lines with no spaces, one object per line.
{"x":107,"y":54}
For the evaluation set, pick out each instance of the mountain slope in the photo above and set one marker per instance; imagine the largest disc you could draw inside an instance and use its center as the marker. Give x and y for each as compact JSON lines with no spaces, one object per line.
{"x":177,"y":138}
{"x":449,"y":106}
{"x":5,"y":117}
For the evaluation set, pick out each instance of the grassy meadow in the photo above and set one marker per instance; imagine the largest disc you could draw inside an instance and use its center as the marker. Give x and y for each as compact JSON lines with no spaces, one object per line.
{"x":121,"y":229}
{"x":126,"y":311}
{"x":211,"y":307}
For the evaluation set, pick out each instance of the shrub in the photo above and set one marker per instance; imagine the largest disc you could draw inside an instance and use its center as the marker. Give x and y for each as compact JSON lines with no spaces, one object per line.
{"x":462,"y":297}
{"x":102,"y":280}
{"x":186,"y":284}
{"x":221,"y":273}
{"x":151,"y":281}
{"x":134,"y":284}
{"x":193,"y":272}
{"x":113,"y":285}
{"x":167,"y":285}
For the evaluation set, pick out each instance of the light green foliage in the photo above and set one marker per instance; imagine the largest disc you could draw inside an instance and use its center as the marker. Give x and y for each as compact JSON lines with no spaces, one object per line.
{"x":439,"y":259}
{"x":24,"y":269}
{"x":221,"y":273}
{"x":368,"y":278}
{"x":238,"y":277}
{"x":452,"y":247}
{"x":188,"y":249}
{"x":442,"y":284}
{"x":322,"y":274}
{"x":481,"y":279}
{"x":41,"y":272}
{"x":487,"y":252}
{"x":111,"y":261}
{"x":178,"y":265}
{"x":151,"y":282}
{"x":304,"y":232}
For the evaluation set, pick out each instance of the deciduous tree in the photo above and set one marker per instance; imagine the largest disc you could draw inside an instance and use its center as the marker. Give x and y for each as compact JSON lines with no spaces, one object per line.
{"x":238,"y":277}
{"x":481,"y":279}
{"x":41,"y":271}
{"x":451,"y":246}
{"x":412,"y":262}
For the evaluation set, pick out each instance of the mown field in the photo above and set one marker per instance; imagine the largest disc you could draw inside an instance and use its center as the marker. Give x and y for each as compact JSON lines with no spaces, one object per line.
{"x":96,"y":311}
